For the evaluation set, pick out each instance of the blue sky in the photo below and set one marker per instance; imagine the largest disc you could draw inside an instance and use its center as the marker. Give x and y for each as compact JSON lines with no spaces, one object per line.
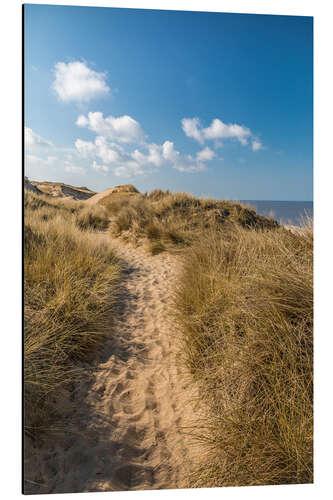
{"x":213,"y":104}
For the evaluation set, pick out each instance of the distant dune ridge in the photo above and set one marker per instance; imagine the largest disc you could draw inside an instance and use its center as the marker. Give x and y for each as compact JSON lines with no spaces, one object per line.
{"x":31,"y":187}
{"x":58,"y":189}
{"x":61,"y":190}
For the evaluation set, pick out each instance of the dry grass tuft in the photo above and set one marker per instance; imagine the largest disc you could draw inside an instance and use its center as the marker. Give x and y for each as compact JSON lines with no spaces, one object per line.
{"x":245,"y":304}
{"x":93,"y":217}
{"x":114,"y":202}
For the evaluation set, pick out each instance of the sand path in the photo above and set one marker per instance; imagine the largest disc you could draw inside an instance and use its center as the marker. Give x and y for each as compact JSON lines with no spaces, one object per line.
{"x":135,"y":415}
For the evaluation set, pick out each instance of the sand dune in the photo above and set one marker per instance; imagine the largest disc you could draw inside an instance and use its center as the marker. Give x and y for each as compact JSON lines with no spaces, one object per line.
{"x":58,"y":189}
{"x":133,"y":418}
{"x":124,"y":189}
{"x":31,"y":187}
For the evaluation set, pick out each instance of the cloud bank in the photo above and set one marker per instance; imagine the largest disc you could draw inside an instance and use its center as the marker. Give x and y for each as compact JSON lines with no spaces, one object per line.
{"x":120,"y":146}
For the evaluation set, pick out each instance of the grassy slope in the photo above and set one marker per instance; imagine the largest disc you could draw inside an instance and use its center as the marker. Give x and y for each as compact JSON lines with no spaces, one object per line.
{"x":245,"y":306}
{"x":70,"y":290}
{"x":174,"y":221}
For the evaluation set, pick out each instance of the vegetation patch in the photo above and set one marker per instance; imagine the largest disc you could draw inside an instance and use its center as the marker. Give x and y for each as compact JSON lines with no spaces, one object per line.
{"x":175,"y":220}
{"x":245,"y":305}
{"x":93,"y":217}
{"x":70,"y":292}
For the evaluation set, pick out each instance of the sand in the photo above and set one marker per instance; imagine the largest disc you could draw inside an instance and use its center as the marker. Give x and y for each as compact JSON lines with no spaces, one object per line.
{"x":133,"y":416}
{"x":99,"y":196}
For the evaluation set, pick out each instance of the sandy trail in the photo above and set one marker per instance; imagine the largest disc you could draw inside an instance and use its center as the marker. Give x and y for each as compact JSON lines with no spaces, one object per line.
{"x":134,"y":417}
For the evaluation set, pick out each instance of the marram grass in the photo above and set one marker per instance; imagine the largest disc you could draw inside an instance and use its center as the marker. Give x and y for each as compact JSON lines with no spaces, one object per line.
{"x":70,"y":290}
{"x":245,"y":306}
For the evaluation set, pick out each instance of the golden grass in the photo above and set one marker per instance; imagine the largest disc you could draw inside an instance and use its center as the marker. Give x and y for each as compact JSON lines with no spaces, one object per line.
{"x":115,"y":201}
{"x":94,"y":217}
{"x":70,"y":292}
{"x":174,"y":221}
{"x":245,"y":306}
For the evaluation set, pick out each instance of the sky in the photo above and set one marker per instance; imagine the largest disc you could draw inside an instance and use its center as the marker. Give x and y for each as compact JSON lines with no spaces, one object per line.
{"x":208,"y":103}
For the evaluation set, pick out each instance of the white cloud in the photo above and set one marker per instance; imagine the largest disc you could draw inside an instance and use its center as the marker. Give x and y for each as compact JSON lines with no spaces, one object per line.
{"x":256,"y":145}
{"x":154,"y":156}
{"x":139,"y":157}
{"x":139,"y":161}
{"x":220,"y":130}
{"x":130,"y":169}
{"x":73,"y":169}
{"x":85,"y":148}
{"x":189,"y":164}
{"x":102,"y":168}
{"x":33,"y":139}
{"x":82,"y":121}
{"x":216,"y":130}
{"x":169,"y":153}
{"x":122,"y":171}
{"x":191,"y":129}
{"x":112,"y":145}
{"x":123,"y":129}
{"x":206,"y":154}
{"x":75,"y":81}
{"x":36,"y":160}
{"x":107,"y":152}
{"x":166,"y":154}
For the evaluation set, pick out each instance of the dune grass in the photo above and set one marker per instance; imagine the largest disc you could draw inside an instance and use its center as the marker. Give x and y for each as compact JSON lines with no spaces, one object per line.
{"x":245,"y":306}
{"x":114,"y":202}
{"x":70,"y":290}
{"x":92,"y":217}
{"x":173,"y":221}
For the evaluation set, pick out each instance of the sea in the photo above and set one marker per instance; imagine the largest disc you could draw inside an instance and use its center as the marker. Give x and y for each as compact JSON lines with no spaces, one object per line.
{"x":286,"y":212}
